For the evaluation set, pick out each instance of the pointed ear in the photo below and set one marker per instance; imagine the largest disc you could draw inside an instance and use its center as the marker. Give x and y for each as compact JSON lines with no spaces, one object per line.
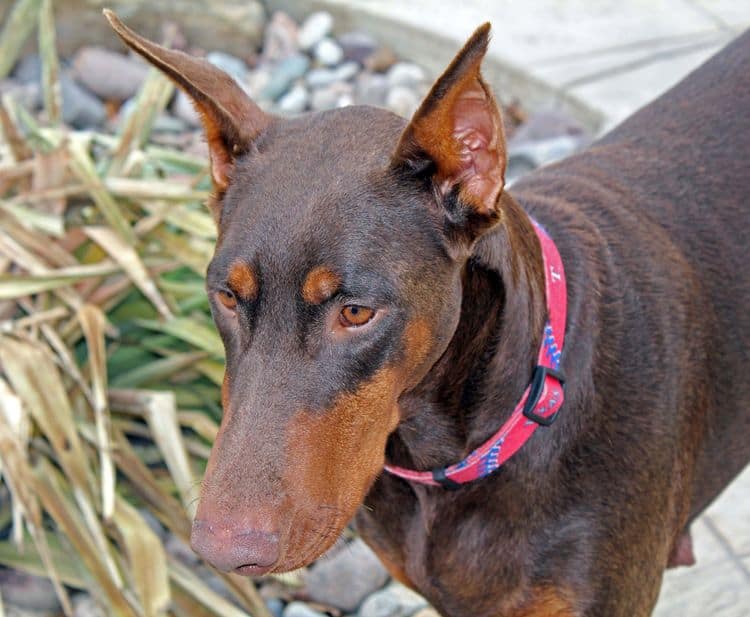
{"x":456,"y":137}
{"x":231,"y":120}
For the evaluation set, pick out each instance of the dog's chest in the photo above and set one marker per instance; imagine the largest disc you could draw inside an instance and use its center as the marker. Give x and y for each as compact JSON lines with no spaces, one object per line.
{"x":458,"y":558}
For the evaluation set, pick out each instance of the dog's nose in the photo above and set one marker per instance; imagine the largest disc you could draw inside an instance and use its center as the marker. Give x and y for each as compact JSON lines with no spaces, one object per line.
{"x":233,"y":548}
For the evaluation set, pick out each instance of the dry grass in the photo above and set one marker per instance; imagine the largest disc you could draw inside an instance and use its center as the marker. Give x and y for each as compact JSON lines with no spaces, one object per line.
{"x":110,"y":366}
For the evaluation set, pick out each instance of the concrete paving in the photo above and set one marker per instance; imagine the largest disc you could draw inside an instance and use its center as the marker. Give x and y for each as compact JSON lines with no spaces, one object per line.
{"x":600,"y":60}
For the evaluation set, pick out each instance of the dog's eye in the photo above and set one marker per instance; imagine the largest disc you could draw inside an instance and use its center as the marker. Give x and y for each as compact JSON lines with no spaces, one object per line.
{"x":227,"y":298}
{"x":353,"y":315}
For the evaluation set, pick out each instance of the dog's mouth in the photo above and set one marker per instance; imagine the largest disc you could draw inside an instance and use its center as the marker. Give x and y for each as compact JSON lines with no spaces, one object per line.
{"x":310,"y":536}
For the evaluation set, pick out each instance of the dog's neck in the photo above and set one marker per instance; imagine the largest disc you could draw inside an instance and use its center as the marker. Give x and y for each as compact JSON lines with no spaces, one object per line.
{"x":480,"y":378}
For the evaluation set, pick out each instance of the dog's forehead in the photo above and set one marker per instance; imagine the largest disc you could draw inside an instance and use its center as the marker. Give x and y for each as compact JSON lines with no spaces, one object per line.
{"x":318,"y":185}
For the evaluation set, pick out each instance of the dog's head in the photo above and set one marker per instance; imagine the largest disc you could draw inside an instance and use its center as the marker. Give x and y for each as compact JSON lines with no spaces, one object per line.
{"x":336,"y":285}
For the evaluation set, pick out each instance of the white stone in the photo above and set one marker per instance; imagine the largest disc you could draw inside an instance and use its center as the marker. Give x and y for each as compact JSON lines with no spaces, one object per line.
{"x":294,"y":101}
{"x":328,"y":52}
{"x":314,"y":29}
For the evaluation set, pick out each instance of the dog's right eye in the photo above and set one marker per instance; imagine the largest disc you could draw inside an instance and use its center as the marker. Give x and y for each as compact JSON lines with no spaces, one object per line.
{"x":227,"y":298}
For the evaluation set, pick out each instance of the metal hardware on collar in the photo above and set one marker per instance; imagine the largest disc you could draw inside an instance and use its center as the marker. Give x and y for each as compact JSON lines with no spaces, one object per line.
{"x":540,"y":403}
{"x":537,"y":386}
{"x":439,"y":476}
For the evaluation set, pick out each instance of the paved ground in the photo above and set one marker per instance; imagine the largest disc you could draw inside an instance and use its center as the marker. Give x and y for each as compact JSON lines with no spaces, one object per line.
{"x":612,"y":56}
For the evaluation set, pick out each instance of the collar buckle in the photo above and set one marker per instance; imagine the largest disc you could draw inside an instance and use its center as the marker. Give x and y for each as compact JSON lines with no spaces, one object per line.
{"x":536,"y":387}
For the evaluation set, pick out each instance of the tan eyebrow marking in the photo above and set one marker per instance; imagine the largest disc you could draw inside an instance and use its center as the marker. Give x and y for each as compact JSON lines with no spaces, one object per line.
{"x":320,"y":284}
{"x":243,"y":281}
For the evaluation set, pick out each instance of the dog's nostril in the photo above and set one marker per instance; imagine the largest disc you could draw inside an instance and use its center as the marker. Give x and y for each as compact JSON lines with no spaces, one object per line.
{"x":229,"y":548}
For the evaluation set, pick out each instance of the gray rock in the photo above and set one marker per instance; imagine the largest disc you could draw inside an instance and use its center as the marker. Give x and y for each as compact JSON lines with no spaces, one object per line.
{"x":321,"y":77}
{"x":153,"y":523}
{"x":183,"y":108}
{"x":275,"y":607}
{"x":371,"y":89}
{"x":181,"y":550}
{"x":281,"y":37}
{"x":405,"y":74}
{"x":393,"y":601}
{"x":402,"y":101}
{"x":229,"y":64}
{"x":85,"y":606}
{"x":28,"y":95}
{"x":284,"y":74}
{"x":257,"y":80}
{"x":109,"y":75}
{"x":338,"y":94}
{"x":27,"y":591}
{"x":299,"y":609}
{"x":328,"y":52}
{"x":314,"y":29}
{"x":380,"y":60}
{"x":357,"y":46}
{"x":546,"y":151}
{"x":28,"y":69}
{"x":294,"y":101}
{"x":81,"y":109}
{"x":547,"y":124}
{"x":347,"y":578}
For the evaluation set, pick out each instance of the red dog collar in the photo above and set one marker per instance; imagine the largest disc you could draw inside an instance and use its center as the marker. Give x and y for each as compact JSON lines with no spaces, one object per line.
{"x":539,"y":404}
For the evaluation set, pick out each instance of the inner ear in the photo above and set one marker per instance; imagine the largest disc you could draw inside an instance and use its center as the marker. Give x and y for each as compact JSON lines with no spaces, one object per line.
{"x":458,"y":129}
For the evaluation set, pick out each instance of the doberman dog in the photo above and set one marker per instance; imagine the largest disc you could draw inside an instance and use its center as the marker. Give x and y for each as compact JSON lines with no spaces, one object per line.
{"x":383,"y":301}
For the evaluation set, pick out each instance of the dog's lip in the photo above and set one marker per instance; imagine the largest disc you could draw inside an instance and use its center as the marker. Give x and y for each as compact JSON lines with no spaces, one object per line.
{"x":251,"y":569}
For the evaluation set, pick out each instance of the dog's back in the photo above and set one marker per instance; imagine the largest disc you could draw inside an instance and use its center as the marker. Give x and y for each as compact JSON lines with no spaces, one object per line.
{"x":681,"y":226}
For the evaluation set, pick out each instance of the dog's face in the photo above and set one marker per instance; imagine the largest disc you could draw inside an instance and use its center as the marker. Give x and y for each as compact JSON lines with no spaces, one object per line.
{"x":335,"y":285}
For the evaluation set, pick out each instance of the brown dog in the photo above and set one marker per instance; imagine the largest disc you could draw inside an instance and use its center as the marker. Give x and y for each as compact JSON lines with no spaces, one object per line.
{"x":382,"y":298}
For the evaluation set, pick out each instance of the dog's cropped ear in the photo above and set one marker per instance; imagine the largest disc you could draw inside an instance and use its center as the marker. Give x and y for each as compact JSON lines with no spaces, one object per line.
{"x":232,"y":121}
{"x":456,"y":136}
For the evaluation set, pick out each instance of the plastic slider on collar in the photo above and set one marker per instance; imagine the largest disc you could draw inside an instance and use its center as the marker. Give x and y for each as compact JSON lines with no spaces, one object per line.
{"x":535,"y":392}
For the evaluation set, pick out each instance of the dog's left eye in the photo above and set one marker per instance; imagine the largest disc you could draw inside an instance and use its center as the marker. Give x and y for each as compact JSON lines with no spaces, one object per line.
{"x":354,"y":315}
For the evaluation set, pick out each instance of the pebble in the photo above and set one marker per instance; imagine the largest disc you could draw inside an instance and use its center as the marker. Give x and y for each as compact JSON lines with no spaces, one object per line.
{"x":81,"y":109}
{"x":380,"y":60}
{"x":275,"y":607}
{"x":328,"y":52}
{"x":393,"y":601}
{"x":28,"y":95}
{"x":314,"y":29}
{"x":294,"y":101}
{"x":27,"y":591}
{"x":427,"y":612}
{"x":347,"y":578}
{"x":284,"y":74}
{"x":546,"y":124}
{"x":339,"y":94}
{"x":109,"y":75}
{"x":229,"y":64}
{"x":181,"y":551}
{"x":281,"y":37}
{"x":300,"y":609}
{"x":402,"y":101}
{"x":163,"y":123}
{"x":28,"y":69}
{"x":357,"y":45}
{"x":85,"y":606}
{"x":257,"y":80}
{"x":321,"y":77}
{"x":372,"y":89}
{"x":405,"y":74}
